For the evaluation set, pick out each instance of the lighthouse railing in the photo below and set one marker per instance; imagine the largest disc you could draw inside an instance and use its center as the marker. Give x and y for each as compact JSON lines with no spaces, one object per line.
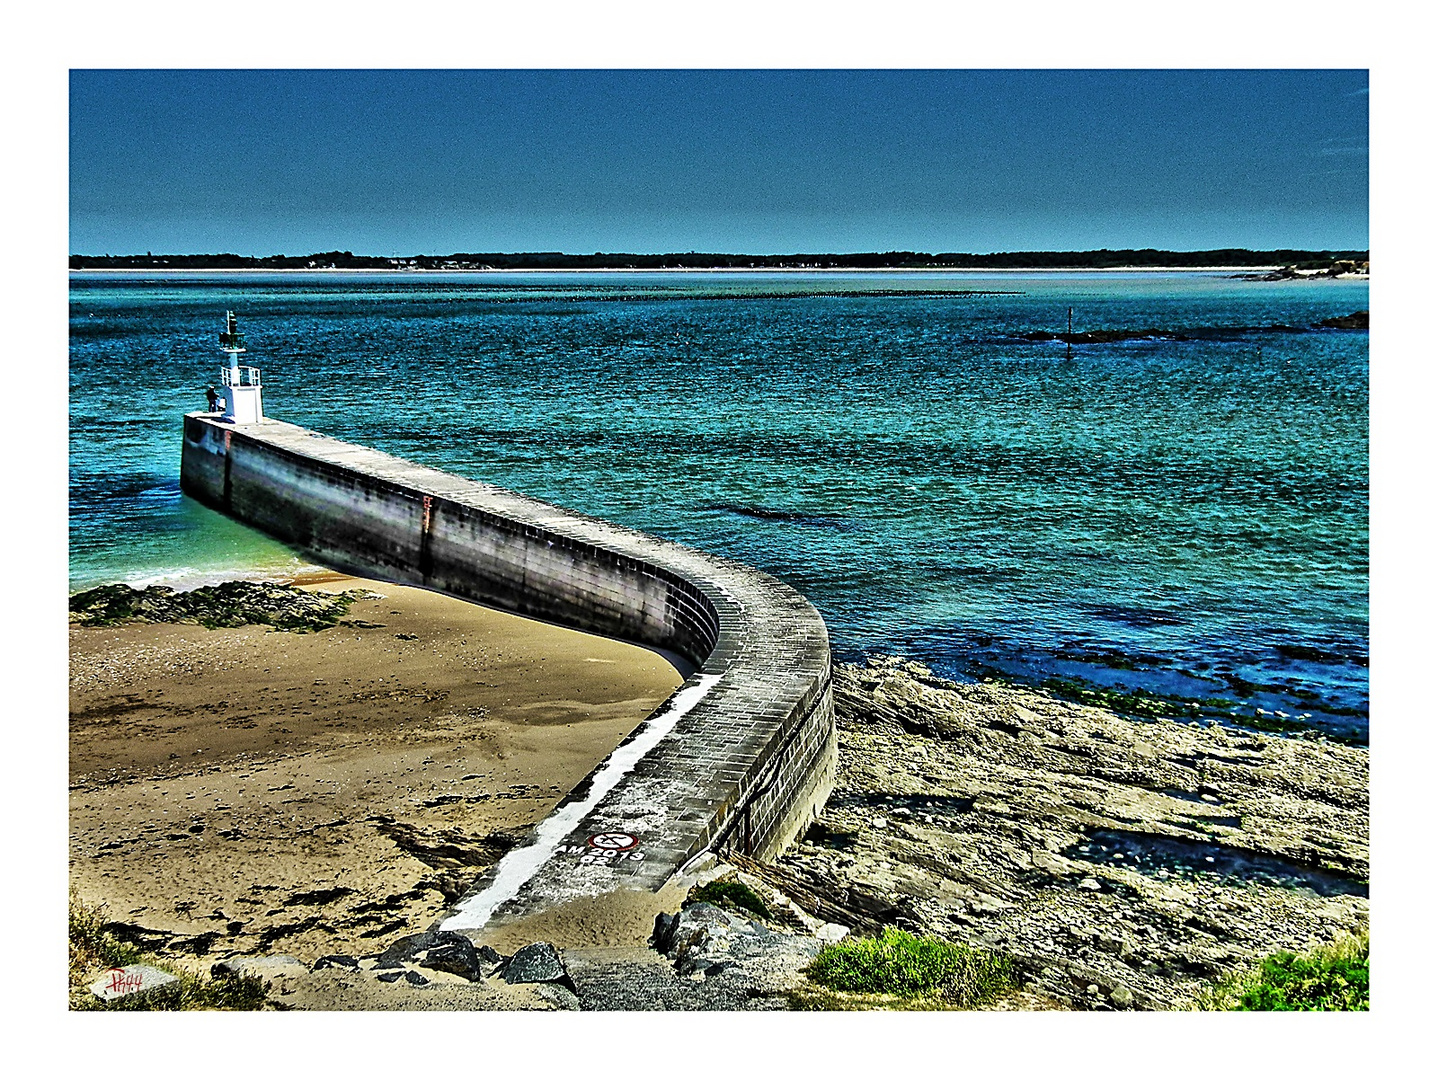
{"x":240,"y":376}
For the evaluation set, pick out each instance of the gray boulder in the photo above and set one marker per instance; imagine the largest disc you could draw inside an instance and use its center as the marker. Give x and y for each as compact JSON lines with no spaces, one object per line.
{"x":704,"y":938}
{"x":130,"y":981}
{"x":662,"y":939}
{"x":537,"y":963}
{"x":440,"y":950}
{"x":408,"y":950}
{"x":456,"y":958}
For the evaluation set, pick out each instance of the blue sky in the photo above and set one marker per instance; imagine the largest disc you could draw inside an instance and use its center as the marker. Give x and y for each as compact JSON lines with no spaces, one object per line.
{"x":755,"y":161}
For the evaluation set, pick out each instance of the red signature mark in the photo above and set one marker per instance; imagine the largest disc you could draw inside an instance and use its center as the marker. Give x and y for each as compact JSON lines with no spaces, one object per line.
{"x":123,"y":982}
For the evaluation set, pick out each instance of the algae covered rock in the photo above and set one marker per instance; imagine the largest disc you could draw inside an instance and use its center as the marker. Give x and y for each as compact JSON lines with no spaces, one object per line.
{"x":229,"y":604}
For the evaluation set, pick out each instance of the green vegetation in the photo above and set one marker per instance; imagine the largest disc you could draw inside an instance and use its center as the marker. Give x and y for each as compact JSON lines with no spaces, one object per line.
{"x":923,"y":972}
{"x":91,"y":946}
{"x":1136,"y":702}
{"x":1146,"y":704}
{"x":1332,"y":977}
{"x":730,"y":893}
{"x":94,"y":950}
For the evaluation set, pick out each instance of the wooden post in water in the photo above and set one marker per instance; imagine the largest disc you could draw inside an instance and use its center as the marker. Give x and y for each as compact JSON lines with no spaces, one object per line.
{"x":1069,"y":345}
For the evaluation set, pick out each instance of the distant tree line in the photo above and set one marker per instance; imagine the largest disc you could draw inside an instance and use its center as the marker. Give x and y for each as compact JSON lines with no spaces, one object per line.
{"x":1103,"y":258}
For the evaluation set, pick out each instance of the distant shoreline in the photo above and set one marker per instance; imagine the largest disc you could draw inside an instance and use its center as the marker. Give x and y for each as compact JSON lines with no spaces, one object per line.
{"x":177,"y":271}
{"x":1283,"y":260}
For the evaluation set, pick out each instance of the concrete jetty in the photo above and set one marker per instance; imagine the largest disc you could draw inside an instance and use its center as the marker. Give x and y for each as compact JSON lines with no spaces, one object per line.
{"x":741,"y":757}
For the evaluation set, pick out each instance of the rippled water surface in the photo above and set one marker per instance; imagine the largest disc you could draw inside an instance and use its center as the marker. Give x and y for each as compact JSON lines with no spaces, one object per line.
{"x":1188,"y":517}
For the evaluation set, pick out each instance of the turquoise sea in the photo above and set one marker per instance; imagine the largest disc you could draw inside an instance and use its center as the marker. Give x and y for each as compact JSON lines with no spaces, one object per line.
{"x":1182,"y":517}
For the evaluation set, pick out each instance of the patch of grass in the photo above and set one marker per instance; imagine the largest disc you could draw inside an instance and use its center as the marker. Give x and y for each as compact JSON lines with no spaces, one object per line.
{"x":910,"y":967}
{"x":727,"y":892}
{"x":94,"y":950}
{"x":1330,"y":978}
{"x":91,"y":946}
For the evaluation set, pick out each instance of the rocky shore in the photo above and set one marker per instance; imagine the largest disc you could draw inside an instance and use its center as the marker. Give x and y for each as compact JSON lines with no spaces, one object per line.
{"x":1310,"y":271}
{"x":1118,"y":863}
{"x":228,"y":604}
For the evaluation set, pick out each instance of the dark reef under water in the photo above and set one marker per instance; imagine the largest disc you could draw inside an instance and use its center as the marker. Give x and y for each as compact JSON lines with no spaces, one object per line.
{"x":1165,"y":525}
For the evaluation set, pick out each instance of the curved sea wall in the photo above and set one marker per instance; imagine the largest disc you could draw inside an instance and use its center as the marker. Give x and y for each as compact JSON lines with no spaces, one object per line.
{"x":742,"y":756}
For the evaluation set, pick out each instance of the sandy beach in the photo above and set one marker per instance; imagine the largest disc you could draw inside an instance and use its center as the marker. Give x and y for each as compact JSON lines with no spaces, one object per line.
{"x":247,"y":790}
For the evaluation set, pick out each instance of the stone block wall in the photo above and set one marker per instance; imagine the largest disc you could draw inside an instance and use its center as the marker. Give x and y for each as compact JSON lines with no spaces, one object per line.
{"x":747,"y":766}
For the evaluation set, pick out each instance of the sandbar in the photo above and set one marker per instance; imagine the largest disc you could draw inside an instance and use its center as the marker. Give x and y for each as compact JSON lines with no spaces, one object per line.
{"x":245,"y":790}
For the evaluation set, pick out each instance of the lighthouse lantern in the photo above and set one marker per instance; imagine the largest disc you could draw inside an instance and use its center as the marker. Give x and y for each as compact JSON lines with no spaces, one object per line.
{"x":240,"y":385}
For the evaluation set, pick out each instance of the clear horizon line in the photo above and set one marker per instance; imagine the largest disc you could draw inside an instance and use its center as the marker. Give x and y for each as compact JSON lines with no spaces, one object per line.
{"x":536,"y":252}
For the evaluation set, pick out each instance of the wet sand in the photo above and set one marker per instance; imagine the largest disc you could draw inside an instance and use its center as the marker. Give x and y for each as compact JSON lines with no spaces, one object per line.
{"x":249,"y":790}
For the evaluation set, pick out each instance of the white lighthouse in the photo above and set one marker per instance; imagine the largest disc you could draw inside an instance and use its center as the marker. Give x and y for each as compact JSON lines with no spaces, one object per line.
{"x":240,"y":386}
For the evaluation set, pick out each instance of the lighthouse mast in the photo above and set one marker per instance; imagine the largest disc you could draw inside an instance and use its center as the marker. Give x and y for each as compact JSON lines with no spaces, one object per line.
{"x":232,"y":341}
{"x":242,"y":384}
